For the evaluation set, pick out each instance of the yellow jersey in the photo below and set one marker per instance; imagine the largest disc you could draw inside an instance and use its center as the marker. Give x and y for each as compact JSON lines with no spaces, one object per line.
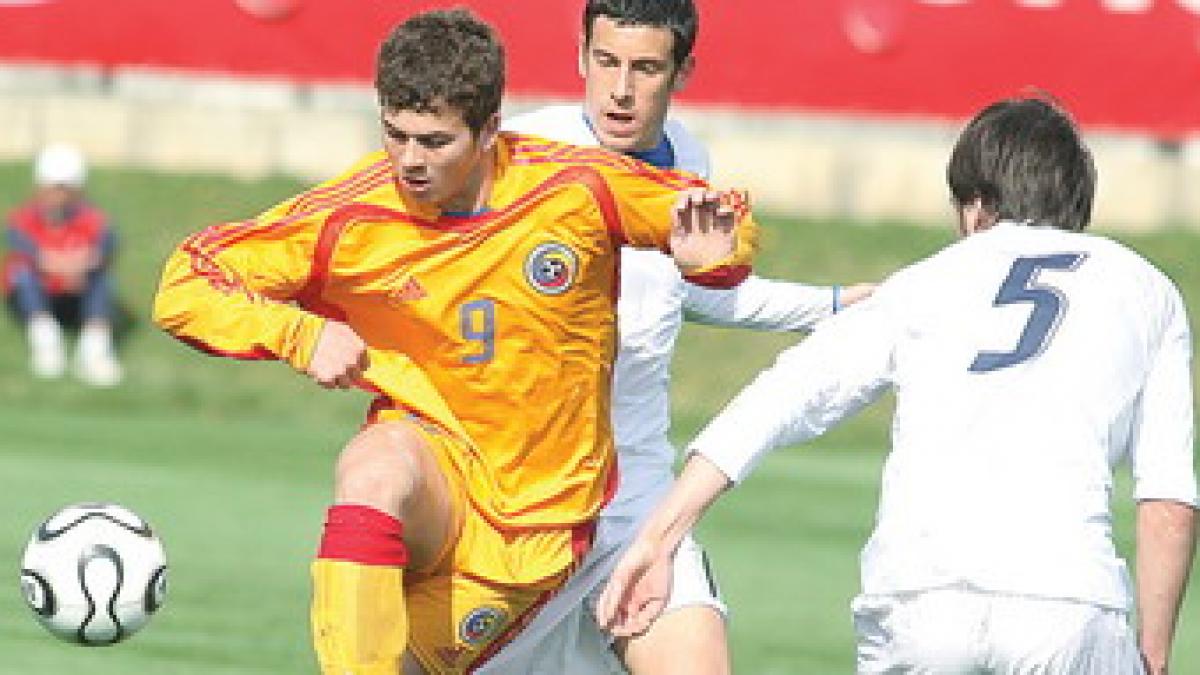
{"x":499,"y":327}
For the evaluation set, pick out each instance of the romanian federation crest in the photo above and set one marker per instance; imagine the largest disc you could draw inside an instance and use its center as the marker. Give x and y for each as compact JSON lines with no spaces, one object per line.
{"x":481,"y":625}
{"x":551,"y":268}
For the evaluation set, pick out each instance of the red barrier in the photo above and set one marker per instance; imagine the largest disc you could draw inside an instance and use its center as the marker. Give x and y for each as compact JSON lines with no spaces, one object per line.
{"x":1136,"y":69}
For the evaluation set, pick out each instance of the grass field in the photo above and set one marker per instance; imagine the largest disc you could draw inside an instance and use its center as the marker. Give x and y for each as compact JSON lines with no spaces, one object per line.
{"x":231,"y":462}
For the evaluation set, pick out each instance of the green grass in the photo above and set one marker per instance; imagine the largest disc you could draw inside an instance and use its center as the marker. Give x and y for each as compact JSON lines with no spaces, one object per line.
{"x":231,"y":462}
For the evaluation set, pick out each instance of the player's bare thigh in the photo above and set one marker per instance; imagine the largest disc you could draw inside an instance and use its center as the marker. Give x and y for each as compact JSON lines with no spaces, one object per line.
{"x":690,"y":640}
{"x":390,"y":466}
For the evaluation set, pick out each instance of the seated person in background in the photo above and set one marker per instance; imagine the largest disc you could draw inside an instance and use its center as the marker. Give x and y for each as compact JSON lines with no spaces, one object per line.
{"x":56,"y":271}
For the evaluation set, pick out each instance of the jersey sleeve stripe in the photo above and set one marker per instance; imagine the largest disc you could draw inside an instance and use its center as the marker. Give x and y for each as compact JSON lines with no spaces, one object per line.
{"x":256,"y":354}
{"x":219,"y":237}
{"x":725,"y":277}
{"x":309,"y":295}
{"x":546,"y":151}
{"x":603,"y":195}
{"x":354,"y":185}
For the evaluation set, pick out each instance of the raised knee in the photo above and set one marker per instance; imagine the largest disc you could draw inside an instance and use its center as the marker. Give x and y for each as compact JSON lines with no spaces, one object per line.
{"x":379,"y":467}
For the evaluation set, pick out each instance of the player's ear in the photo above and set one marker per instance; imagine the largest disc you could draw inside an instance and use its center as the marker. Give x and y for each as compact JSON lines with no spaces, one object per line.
{"x":488,"y":132}
{"x":684,"y":73}
{"x":974,"y":217}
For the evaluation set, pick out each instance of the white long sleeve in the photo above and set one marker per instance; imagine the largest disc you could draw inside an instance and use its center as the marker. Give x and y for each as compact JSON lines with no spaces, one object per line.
{"x":760,"y":304}
{"x":843,"y":366}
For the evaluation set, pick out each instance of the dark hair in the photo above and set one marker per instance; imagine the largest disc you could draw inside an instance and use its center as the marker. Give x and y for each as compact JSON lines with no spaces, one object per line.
{"x":445,"y":58}
{"x":678,"y":16}
{"x":1025,"y":160}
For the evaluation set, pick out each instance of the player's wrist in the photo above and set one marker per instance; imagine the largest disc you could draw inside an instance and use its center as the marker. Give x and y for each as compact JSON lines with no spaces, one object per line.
{"x":1155,"y":665}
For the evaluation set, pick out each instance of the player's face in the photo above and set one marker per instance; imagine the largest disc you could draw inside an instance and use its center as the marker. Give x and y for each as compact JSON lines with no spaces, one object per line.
{"x":438,"y":159}
{"x":629,"y":77}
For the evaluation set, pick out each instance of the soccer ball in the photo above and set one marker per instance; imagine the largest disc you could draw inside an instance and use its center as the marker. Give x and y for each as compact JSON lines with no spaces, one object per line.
{"x":94,"y":574}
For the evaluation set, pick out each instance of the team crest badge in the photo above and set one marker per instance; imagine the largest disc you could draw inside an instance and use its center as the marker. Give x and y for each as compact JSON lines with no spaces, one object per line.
{"x":551,"y":268}
{"x":481,"y":625}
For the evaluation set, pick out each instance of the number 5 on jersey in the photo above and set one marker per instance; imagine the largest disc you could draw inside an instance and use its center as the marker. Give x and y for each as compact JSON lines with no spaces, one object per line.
{"x":1049,"y":304}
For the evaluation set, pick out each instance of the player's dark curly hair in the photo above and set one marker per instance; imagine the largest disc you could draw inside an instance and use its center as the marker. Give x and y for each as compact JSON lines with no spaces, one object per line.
{"x":678,"y":16}
{"x":444,"y":58}
{"x":1025,"y":160}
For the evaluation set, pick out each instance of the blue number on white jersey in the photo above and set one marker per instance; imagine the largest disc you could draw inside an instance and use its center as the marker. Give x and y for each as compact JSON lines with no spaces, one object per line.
{"x":1049,"y":303}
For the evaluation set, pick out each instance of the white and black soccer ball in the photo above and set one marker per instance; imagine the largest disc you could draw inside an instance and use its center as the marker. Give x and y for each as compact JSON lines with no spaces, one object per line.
{"x":94,"y":574}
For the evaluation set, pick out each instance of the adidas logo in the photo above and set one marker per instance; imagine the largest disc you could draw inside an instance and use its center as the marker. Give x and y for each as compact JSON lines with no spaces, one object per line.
{"x":410,"y":291}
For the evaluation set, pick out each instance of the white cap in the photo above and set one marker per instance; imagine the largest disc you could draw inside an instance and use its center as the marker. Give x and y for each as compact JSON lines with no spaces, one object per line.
{"x":60,"y":164}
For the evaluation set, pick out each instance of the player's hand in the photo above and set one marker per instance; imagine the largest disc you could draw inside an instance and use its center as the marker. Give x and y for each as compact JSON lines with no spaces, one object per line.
{"x":340,"y":357}
{"x":1154,"y":661}
{"x":1154,"y":665}
{"x":637,"y":591}
{"x":702,"y":225}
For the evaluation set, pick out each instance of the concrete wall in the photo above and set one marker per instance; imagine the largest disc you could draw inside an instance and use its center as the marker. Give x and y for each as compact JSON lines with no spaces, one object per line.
{"x":793,"y":163}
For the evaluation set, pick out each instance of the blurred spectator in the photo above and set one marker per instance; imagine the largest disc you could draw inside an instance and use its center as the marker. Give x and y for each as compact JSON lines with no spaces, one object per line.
{"x":56,"y":273}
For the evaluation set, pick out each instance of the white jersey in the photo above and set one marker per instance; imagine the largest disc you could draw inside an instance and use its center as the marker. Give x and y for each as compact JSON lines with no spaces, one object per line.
{"x":653,"y":301}
{"x":568,"y":124}
{"x":1026,"y":361}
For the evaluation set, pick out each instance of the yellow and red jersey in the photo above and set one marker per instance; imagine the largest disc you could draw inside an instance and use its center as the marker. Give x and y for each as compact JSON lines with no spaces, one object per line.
{"x":499,"y":327}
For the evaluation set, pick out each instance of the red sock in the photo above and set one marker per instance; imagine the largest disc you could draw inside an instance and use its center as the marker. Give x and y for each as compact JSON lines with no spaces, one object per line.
{"x":363,"y":534}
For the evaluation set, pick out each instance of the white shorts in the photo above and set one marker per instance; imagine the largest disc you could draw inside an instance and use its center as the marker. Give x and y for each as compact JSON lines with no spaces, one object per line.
{"x":563,"y":639}
{"x":692,"y":580}
{"x":955,"y":630}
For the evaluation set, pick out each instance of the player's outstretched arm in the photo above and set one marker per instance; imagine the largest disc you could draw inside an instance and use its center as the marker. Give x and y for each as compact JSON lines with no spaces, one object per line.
{"x":1166,"y":544}
{"x":770,"y":304}
{"x":639,"y":587}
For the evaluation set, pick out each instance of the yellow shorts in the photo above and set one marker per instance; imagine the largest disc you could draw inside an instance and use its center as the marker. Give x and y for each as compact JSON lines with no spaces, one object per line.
{"x":479,"y":593}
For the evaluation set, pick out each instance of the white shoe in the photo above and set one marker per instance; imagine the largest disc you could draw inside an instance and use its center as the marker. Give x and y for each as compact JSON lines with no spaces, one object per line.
{"x":95,"y":363}
{"x":46,"y":358}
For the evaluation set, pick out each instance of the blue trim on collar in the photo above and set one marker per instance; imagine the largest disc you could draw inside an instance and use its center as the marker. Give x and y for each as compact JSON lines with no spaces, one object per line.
{"x":661,"y":155}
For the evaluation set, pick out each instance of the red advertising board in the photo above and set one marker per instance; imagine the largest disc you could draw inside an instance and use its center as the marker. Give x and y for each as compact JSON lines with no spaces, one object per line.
{"x":1117,"y":63}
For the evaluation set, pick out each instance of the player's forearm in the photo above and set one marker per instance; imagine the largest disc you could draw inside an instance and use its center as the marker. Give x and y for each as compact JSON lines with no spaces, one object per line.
{"x":1166,"y":543}
{"x":760,"y":304}
{"x":770,"y":413}
{"x":812,"y":387}
{"x":215,"y":313}
{"x":699,"y":485}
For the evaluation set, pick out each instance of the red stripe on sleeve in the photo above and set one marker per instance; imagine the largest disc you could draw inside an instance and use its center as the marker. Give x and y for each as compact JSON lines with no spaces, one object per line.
{"x":724,"y":277}
{"x":255,"y":354}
